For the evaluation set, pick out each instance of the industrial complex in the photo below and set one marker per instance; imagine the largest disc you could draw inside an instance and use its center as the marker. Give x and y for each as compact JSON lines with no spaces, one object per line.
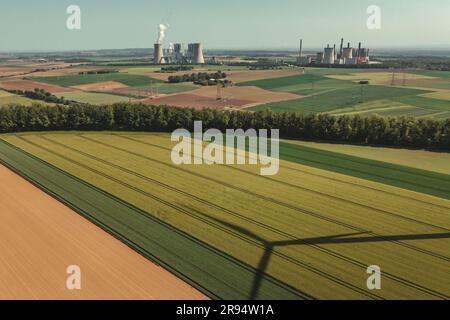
{"x":331,"y":56}
{"x":176,"y":54}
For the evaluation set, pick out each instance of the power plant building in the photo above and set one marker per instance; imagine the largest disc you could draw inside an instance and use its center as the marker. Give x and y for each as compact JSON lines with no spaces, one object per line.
{"x":176,"y":54}
{"x":332,"y":56}
{"x":329,"y":55}
{"x":195,"y":53}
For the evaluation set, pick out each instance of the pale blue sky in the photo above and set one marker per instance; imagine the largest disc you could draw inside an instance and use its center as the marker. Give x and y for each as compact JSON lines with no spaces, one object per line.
{"x":235,"y":24}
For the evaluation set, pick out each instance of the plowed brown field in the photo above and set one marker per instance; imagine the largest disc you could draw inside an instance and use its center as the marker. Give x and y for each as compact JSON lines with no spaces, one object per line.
{"x":101,"y":86}
{"x":40,"y":238}
{"x":237,"y":97}
{"x":31,"y":85}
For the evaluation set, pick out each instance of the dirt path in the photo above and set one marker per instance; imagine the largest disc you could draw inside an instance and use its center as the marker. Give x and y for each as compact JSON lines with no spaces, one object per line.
{"x":40,"y":238}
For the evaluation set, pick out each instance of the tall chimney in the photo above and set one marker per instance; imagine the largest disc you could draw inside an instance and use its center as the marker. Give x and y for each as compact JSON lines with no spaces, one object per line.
{"x":301,"y":48}
{"x":341,"y":51}
{"x":158,"y":56}
{"x":359,"y":50}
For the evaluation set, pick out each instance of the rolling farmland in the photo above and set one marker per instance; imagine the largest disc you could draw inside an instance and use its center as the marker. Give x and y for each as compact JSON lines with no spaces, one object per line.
{"x":343,"y":98}
{"x":324,"y":222}
{"x":421,"y":94}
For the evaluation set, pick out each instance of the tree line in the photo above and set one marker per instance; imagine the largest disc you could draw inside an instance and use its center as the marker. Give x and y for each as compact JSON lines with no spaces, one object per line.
{"x":374,"y":130}
{"x":41,"y":94}
{"x":91,"y":72}
{"x":197,"y":77}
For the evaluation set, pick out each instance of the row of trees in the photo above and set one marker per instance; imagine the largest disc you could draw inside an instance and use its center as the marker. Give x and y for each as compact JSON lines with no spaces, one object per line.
{"x":401,"y":131}
{"x":41,"y":94}
{"x":90,"y":72}
{"x":197,"y":77}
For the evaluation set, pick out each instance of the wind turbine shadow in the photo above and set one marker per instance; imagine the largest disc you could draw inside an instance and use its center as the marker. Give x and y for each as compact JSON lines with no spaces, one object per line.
{"x":333,"y":239}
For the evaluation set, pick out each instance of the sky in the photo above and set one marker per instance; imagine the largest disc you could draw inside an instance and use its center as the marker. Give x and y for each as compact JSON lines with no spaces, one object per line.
{"x":231,"y":24}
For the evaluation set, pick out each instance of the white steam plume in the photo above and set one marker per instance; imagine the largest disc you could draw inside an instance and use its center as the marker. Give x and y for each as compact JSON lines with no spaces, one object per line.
{"x":162,"y":33}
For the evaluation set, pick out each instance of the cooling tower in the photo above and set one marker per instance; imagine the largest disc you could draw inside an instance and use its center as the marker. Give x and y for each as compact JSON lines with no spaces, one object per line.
{"x":347,"y":52}
{"x":329,"y":55}
{"x":196,"y":53}
{"x":158,"y":56}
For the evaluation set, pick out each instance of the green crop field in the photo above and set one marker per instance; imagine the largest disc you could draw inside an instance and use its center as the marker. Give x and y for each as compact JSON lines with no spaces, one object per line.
{"x":420,"y":159}
{"x":425,"y":103}
{"x":306,"y":84}
{"x":75,"y":80}
{"x":309,"y":232}
{"x":431,"y":73}
{"x":342,"y":98}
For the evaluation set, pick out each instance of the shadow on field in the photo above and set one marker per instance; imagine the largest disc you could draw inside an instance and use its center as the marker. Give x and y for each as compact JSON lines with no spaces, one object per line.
{"x":335,"y":239}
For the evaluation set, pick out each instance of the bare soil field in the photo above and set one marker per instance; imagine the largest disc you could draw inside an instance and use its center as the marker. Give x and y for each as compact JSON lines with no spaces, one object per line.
{"x":40,"y":238}
{"x":250,"y":93}
{"x":133,"y":92}
{"x":237,"y":97}
{"x":51,"y":69}
{"x":10,"y":72}
{"x":101,"y":86}
{"x":190,"y":100}
{"x":29,"y":85}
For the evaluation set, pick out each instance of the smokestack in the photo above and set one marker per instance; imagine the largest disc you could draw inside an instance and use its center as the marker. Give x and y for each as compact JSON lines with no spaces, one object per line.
{"x":348,"y":46}
{"x":359,"y":50}
{"x":301,"y":48}
{"x":197,"y":53}
{"x":341,"y":51}
{"x":158,"y":54}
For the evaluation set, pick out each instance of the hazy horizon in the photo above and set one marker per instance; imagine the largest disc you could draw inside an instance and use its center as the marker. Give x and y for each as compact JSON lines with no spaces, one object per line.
{"x":232,"y":25}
